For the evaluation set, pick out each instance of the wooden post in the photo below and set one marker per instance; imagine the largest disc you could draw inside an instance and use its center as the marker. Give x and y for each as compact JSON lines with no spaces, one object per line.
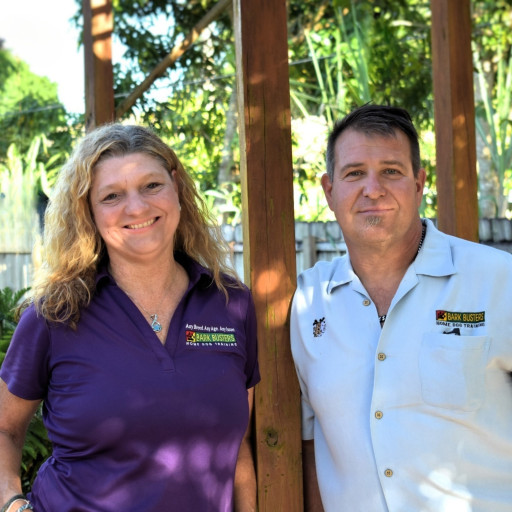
{"x":99,"y":79}
{"x":454,"y":108}
{"x":269,"y":242}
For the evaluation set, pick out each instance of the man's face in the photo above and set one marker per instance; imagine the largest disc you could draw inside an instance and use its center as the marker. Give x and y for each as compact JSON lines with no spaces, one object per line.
{"x":374,"y":194}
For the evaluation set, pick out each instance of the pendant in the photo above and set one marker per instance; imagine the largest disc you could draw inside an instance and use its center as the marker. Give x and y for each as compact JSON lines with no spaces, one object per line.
{"x":155,"y":324}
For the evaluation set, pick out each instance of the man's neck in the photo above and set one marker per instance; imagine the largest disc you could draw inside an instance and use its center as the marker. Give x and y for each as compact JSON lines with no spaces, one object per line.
{"x":381,"y":267}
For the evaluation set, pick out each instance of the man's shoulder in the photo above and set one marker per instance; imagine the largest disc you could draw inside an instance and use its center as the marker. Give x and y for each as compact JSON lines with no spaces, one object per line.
{"x":478,"y":254}
{"x":467,"y":254}
{"x":321,"y":271}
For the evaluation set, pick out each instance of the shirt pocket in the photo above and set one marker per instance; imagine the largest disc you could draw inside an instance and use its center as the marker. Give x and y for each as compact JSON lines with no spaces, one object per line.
{"x":452,"y":370}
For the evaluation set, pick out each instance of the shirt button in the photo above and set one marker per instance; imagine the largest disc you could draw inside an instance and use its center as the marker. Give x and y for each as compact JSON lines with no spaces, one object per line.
{"x":388,"y":473}
{"x":381,"y":356}
{"x":378,"y":415}
{"x":366,"y":302}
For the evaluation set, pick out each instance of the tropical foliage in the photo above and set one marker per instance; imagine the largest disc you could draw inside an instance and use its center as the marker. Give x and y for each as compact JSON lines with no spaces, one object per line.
{"x":342,"y":53}
{"x":492,"y":52}
{"x":29,"y":107}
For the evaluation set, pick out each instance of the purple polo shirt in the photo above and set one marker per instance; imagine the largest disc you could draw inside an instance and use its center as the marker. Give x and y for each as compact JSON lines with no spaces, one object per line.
{"x":136,"y":425}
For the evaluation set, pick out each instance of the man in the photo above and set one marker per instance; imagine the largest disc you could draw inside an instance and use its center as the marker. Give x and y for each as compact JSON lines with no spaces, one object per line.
{"x":403,"y":347}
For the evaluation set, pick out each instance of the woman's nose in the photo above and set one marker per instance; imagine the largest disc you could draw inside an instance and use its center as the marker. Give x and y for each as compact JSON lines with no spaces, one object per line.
{"x":135,"y":203}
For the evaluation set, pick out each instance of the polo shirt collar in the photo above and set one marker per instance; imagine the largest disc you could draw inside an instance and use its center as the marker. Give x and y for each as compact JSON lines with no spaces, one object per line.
{"x":435,"y":259}
{"x":343,"y":273}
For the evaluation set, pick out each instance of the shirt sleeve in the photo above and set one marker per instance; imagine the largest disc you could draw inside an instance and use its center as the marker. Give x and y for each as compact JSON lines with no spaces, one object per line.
{"x":252,"y":370}
{"x":307,"y":413}
{"x":26,"y":363}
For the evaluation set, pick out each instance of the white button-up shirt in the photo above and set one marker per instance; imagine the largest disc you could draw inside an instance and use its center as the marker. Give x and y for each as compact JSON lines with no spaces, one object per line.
{"x":416,"y":415}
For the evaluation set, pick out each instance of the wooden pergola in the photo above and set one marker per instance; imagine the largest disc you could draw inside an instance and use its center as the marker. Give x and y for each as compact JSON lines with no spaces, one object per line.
{"x":260,"y":28}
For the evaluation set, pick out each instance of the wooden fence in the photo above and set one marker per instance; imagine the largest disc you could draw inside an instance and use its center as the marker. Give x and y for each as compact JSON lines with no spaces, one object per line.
{"x":314,"y":241}
{"x":19,"y":239}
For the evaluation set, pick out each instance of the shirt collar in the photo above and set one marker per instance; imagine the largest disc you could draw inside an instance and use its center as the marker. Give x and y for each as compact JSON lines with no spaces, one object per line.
{"x":434,"y":259}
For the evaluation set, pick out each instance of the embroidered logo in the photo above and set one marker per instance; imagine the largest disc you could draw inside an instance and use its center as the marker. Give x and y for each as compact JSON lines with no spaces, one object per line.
{"x":200,"y":335}
{"x":318,"y":327}
{"x":460,"y":319}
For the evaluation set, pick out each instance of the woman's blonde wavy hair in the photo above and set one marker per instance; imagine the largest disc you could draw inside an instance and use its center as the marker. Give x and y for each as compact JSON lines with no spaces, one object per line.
{"x":72,"y":246}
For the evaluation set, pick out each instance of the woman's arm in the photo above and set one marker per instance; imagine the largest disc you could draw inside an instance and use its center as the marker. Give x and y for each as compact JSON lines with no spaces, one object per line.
{"x":245,"y":475}
{"x":15,"y":416}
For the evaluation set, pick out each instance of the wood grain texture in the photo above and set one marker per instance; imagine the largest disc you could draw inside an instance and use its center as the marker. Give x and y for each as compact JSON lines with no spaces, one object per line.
{"x":99,"y":77}
{"x":269,"y":242}
{"x":454,"y":110}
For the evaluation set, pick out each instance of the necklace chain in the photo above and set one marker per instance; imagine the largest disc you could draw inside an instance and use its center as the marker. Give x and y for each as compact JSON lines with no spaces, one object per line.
{"x":423,"y":233}
{"x":382,"y":318}
{"x":155,"y":324}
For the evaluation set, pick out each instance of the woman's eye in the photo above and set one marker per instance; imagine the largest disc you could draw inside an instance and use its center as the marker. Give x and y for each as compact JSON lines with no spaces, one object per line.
{"x":152,"y":186}
{"x":110,"y":197}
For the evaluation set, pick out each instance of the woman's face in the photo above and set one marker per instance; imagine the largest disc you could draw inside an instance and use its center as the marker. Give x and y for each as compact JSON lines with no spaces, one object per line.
{"x":135,"y":205}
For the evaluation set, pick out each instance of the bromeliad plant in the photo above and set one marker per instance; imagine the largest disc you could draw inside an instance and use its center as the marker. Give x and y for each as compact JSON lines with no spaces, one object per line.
{"x":494,"y":119}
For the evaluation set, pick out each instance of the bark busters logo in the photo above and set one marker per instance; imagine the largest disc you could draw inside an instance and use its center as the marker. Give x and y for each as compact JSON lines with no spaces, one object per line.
{"x":460,"y":319}
{"x":205,"y":336}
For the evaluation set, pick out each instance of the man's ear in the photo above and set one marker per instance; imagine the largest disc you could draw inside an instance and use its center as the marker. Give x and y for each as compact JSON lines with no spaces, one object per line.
{"x":420,"y":185}
{"x":326,"y":182}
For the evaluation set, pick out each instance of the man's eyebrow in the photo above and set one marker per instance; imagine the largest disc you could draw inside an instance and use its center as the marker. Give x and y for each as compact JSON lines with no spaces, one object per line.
{"x":397,"y":163}
{"x":352,"y":165}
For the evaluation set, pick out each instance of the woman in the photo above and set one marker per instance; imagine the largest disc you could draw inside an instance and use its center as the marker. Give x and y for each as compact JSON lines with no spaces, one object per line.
{"x":139,"y":339}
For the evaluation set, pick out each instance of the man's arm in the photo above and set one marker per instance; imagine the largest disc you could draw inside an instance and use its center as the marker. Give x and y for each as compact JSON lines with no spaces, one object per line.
{"x":312,"y":500}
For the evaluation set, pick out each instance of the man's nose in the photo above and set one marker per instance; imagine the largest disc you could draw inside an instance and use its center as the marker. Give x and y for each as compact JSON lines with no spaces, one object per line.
{"x":373,"y":187}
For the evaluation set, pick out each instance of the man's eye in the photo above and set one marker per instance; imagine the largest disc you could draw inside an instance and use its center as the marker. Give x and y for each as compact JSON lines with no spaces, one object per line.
{"x":353,"y":174}
{"x":391,"y":171}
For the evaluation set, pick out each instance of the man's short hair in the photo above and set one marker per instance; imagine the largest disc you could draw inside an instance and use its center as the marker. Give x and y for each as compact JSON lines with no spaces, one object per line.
{"x":380,"y":120}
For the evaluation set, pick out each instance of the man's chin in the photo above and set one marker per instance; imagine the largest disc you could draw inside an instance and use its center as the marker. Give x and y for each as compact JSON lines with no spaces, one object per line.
{"x":373,"y":220}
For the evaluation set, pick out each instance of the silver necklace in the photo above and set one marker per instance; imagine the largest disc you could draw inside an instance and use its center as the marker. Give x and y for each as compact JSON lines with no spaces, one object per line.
{"x":382,"y":318}
{"x":155,"y":324}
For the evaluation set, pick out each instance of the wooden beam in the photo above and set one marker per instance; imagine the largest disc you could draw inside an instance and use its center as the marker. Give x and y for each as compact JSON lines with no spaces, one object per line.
{"x":454,"y":109}
{"x":269,"y":241}
{"x":172,"y":57}
{"x":99,"y":78}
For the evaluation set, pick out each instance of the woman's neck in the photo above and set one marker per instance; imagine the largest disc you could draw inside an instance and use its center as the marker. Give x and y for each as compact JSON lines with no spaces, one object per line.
{"x":151,"y":277}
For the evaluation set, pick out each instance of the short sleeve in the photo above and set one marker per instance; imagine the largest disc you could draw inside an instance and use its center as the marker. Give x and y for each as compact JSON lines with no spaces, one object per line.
{"x":26,"y":363}
{"x":252,"y":370}
{"x":307,"y":413}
